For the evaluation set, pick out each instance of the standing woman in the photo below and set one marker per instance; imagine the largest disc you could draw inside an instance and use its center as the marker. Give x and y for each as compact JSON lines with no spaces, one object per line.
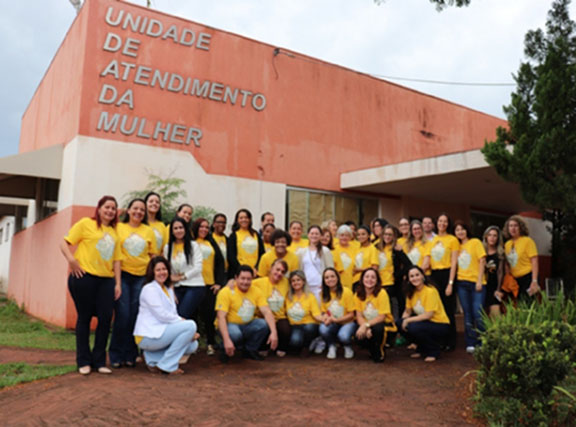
{"x":214,"y":275}
{"x":470,"y":283}
{"x":245,"y":247}
{"x":404,"y":228}
{"x":218,"y":227}
{"x":444,"y":249}
{"x":333,"y":227}
{"x":94,"y":281}
{"x":346,"y":253}
{"x":185,"y":212}
{"x":372,"y":314}
{"x":337,"y":314}
{"x":280,"y":241}
{"x":154,"y":218}
{"x":295,"y":229}
{"x":424,"y":321}
{"x":522,"y":257}
{"x":267,"y":231}
{"x":417,"y":250}
{"x":186,"y":261}
{"x":377,"y":226}
{"x":494,"y":247}
{"x":314,"y":259}
{"x":303,"y":312}
{"x":366,"y":256}
{"x":137,"y":241}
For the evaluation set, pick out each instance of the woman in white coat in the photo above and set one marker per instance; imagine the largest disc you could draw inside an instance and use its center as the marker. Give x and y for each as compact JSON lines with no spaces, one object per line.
{"x":162,"y":335}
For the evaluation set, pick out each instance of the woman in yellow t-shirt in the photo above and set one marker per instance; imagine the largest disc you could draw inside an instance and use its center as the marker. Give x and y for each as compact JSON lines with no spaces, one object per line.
{"x":245,"y":246}
{"x":345,"y":252}
{"x":280,"y":241}
{"x":303,"y":312}
{"x":404,"y":228}
{"x":522,"y":256}
{"x":424,"y":321}
{"x":417,"y":250}
{"x":154,"y":218}
{"x":267,"y":231}
{"x":373,"y":314}
{"x":470,"y":283}
{"x":214,"y":275}
{"x":337,"y":314}
{"x":137,"y":242}
{"x":444,"y":249}
{"x":295,"y":229}
{"x":366,"y":256}
{"x":218,"y":226}
{"x":94,"y":280}
{"x":185,"y":212}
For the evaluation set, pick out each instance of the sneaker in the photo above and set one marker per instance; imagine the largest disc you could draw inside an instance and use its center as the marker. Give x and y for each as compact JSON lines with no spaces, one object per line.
{"x":320,"y":346}
{"x":331,"y":352}
{"x":210,"y":351}
{"x":470,"y":349}
{"x":348,"y":352}
{"x":280,"y":353}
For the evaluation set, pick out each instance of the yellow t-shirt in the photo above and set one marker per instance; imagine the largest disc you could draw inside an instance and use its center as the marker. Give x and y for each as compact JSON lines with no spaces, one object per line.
{"x":241,"y":307}
{"x":296,"y":246}
{"x":300,"y":310}
{"x":386,"y":266}
{"x":275,"y":294}
{"x":268,"y":259}
{"x":97,"y":249}
{"x":519,"y":253}
{"x":470,"y":255}
{"x":425,"y":300}
{"x":161,"y":236}
{"x":247,"y":247}
{"x":441,"y":249}
{"x":355,"y":244}
{"x":339,"y":307}
{"x":418,"y":252}
{"x":346,"y":255}
{"x":267,"y":247}
{"x":337,"y":261}
{"x":221,"y":242}
{"x":374,"y":306}
{"x":207,"y":261}
{"x":365,"y":257}
{"x":137,"y":243}
{"x":401,"y":241}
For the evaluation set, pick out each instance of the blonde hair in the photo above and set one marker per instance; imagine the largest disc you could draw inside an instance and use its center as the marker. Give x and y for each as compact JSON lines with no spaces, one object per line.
{"x":301,"y":275}
{"x":499,"y":242}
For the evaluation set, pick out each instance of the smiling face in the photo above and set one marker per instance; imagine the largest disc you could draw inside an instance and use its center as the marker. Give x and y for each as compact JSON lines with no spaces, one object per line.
{"x":244,"y":280}
{"x":461,"y":233}
{"x":244,"y":221}
{"x":388,"y":236}
{"x":417,"y":231}
{"x":107,"y":212}
{"x":266,"y":233}
{"x":160,"y":273}
{"x":369,"y":280}
{"x":492,"y":238}
{"x":268,"y":219}
{"x":513,"y":229}
{"x":376,"y":229}
{"x":427,"y":225}
{"x":330,"y":279}
{"x":219,"y":224}
{"x":296,"y":283}
{"x":442,"y":223}
{"x":204,"y":230}
{"x":363,"y":236}
{"x":326,"y":238}
{"x":295,"y":231}
{"x":404,"y":226}
{"x":314,"y":236}
{"x":153,"y":204}
{"x":136,"y":212}
{"x":415,"y":277}
{"x":280,"y":246}
{"x":178,"y":231}
{"x":277,"y":272}
{"x":185,"y":213}
{"x":345,"y":239}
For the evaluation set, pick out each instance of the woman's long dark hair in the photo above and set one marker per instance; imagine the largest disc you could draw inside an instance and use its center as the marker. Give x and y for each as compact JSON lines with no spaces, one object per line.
{"x":159,"y":214}
{"x":326,"y":289}
{"x":101,"y":202}
{"x":126,"y":217}
{"x":409,"y":289}
{"x":196,"y":226}
{"x":361,"y":291}
{"x":236,"y":225}
{"x":150,"y":270}
{"x":187,"y":239}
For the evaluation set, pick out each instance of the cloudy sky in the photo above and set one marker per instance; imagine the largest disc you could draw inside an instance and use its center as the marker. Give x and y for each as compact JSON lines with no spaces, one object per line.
{"x":398,"y":38}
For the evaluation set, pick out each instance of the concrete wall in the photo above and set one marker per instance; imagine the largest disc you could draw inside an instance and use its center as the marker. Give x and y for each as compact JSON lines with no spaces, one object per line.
{"x":6,"y":233}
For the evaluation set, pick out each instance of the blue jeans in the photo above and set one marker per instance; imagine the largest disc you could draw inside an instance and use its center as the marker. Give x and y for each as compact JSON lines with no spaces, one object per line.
{"x":175,"y":342}
{"x":189,"y":299}
{"x":472,"y":303}
{"x":335,"y":332}
{"x":249,"y":336}
{"x":302,"y":335}
{"x":122,"y":345}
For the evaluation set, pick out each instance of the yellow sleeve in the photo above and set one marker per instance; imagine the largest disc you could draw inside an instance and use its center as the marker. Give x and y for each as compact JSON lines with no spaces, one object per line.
{"x":408,"y":303}
{"x":76,"y":233}
{"x":223,"y":300}
{"x":118,"y":255}
{"x":383,"y":303}
{"x":454,"y":244}
{"x":426,"y":248}
{"x":432,"y":301}
{"x":480,"y":251}
{"x":264,"y":266}
{"x":314,"y":308}
{"x":358,"y":304}
{"x":374,"y":256}
{"x":151,"y":238}
{"x":348,"y":300}
{"x":261,"y":300}
{"x":531,"y":249}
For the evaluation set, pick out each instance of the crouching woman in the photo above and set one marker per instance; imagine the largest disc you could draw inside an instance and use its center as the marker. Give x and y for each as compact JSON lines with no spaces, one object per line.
{"x":160,"y":332}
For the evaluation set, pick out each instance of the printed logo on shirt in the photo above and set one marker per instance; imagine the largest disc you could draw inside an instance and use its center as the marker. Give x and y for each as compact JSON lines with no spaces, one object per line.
{"x":296,"y":312}
{"x":382,"y":260}
{"x":346,"y":260}
{"x":159,"y":238}
{"x":246,"y":310}
{"x":464,"y":260}
{"x":359,"y":259}
{"x":275,"y":301}
{"x":105,"y":247}
{"x":414,"y":256}
{"x":419,"y":308}
{"x":206,"y":250}
{"x":370,"y":312}
{"x":178,"y":262}
{"x":335,"y":309}
{"x":134,"y":245}
{"x":438,"y":252}
{"x":512,"y":257}
{"x":250,"y":245}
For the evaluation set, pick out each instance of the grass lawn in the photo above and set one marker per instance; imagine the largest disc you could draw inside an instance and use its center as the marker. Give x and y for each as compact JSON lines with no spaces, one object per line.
{"x":15,"y":373}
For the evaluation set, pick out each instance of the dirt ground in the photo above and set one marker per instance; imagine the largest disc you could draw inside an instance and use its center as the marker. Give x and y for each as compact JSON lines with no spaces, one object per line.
{"x":290,"y":391}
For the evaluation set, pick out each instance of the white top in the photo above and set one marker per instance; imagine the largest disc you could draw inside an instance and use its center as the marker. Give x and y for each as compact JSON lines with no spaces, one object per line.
{"x":313,"y":265}
{"x":156,"y":311}
{"x":192,"y":270}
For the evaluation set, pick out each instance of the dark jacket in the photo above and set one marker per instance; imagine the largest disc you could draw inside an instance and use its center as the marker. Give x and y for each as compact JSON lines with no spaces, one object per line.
{"x":232,"y":253}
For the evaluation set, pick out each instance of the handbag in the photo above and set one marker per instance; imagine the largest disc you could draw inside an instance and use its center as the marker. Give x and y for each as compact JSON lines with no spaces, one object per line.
{"x":510,"y":285}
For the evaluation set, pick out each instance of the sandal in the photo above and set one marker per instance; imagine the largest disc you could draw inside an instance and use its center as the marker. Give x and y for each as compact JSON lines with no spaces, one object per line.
{"x":104,"y":370}
{"x":85,"y":370}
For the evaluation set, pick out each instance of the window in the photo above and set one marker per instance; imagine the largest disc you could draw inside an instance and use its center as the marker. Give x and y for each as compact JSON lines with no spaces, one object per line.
{"x":315,"y":207}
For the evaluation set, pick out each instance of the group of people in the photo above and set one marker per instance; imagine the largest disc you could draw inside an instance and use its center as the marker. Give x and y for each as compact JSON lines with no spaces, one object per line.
{"x":272,"y":290}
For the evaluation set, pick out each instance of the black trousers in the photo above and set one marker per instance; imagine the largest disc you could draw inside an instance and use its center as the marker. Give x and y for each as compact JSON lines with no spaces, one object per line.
{"x":93,"y":296}
{"x":376,"y":343}
{"x":208,"y":314}
{"x":440,"y":278}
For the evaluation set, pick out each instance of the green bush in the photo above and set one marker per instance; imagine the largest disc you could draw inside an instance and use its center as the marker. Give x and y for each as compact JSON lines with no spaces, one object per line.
{"x":525,"y":358}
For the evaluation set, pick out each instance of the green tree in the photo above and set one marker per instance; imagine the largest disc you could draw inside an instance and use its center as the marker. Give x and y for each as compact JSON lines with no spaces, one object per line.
{"x":441,"y":4}
{"x":538,"y":150}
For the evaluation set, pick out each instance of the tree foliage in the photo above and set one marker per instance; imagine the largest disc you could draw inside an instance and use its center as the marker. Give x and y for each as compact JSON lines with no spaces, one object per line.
{"x":441,"y":4}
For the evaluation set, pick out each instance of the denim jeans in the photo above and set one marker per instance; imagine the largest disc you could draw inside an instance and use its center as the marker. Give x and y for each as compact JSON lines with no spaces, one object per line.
{"x":428,"y":336}
{"x":93,"y":296}
{"x":338,"y":333}
{"x":472,"y":302}
{"x":249,"y":336}
{"x":189,"y":299}
{"x":122,"y":345}
{"x":302,"y":335}
{"x":175,"y":342}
